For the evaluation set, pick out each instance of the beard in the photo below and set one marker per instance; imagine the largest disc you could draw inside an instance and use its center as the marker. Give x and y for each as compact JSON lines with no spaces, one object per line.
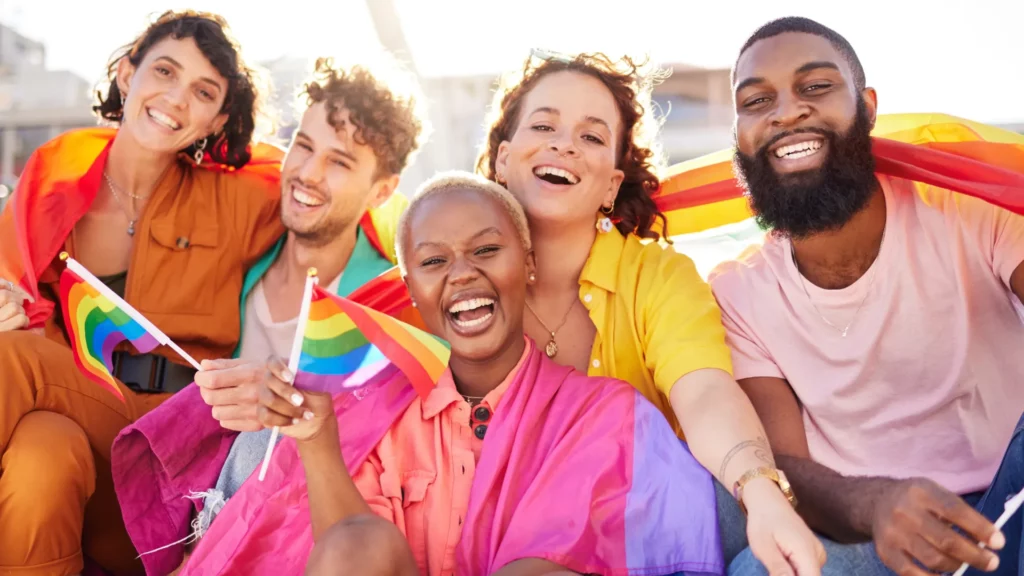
{"x":806,"y":203}
{"x":320,"y":232}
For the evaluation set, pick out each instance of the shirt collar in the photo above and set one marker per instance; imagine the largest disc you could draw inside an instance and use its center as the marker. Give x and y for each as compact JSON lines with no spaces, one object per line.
{"x":445,"y":393}
{"x":602,"y":265}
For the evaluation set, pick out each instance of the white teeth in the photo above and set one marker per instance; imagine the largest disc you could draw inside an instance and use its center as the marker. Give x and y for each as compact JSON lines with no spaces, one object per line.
{"x":471,"y":304}
{"x":798,"y":150}
{"x":163,"y":119}
{"x":541,"y":171}
{"x":471,"y":323}
{"x":305,"y":199}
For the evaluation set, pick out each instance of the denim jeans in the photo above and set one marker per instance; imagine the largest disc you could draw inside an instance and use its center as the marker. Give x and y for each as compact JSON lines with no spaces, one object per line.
{"x":862,"y":560}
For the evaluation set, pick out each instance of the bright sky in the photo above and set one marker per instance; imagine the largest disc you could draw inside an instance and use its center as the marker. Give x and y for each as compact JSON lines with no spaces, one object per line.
{"x":960,"y":58}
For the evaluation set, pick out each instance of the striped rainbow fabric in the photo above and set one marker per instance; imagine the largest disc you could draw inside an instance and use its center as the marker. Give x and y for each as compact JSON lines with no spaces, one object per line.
{"x":345,"y":343}
{"x":929,"y":149}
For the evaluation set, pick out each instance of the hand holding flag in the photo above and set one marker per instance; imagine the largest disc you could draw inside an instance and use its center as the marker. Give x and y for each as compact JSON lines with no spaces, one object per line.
{"x":339,"y":345}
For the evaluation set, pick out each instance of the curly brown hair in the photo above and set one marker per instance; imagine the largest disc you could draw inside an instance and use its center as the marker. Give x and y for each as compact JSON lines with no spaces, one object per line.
{"x":211,"y":33}
{"x":639,"y":157}
{"x":386,"y":114}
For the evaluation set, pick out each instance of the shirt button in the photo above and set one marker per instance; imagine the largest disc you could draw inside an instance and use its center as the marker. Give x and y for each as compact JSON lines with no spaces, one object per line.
{"x":482,"y":414}
{"x":587,"y":298}
{"x":596,"y":363}
{"x":480,"y":431}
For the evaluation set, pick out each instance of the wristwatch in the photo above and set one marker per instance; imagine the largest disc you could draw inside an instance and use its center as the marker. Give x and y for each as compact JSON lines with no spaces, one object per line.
{"x":773,"y":474}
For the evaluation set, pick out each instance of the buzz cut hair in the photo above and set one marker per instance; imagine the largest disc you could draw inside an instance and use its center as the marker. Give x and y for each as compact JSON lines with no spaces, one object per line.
{"x":459,"y":181}
{"x":808,"y":26}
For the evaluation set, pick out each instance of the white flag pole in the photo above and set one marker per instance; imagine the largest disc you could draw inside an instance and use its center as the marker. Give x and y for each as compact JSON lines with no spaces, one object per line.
{"x":134,"y":314}
{"x":293,"y":360}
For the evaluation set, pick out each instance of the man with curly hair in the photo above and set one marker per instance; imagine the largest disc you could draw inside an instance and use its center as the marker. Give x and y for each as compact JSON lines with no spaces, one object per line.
{"x":338,"y":204}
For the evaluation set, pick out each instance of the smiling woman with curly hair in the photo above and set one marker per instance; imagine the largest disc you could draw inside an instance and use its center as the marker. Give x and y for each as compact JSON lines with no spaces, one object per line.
{"x":570,"y":137}
{"x":168,"y":206}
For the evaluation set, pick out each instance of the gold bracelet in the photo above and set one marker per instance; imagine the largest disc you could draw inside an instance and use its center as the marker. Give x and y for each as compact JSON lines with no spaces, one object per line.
{"x":773,"y":474}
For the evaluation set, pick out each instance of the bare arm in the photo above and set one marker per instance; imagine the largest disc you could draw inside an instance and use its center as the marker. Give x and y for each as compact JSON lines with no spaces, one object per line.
{"x":533,"y":567}
{"x":703,"y":401}
{"x":333,"y":495}
{"x":835,"y":505}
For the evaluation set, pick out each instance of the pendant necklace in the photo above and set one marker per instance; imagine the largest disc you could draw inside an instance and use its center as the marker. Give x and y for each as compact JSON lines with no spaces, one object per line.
{"x":552,"y":347}
{"x":116,"y":192}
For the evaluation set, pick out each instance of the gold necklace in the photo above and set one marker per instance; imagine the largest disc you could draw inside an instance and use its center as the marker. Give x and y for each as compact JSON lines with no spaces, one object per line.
{"x":867,"y":290}
{"x":552,"y":348}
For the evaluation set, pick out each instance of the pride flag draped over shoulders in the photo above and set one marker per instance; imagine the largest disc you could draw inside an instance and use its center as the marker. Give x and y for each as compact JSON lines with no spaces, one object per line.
{"x":54,"y":191}
{"x":344,"y":343}
{"x":60,"y":182}
{"x":930,"y":149}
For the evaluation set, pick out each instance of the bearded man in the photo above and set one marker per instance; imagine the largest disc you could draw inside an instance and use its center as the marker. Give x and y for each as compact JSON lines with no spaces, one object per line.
{"x":876,"y":330}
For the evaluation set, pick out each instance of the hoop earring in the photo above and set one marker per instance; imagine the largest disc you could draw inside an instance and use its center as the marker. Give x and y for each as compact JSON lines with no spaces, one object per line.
{"x":607,"y":210}
{"x":200,"y":146}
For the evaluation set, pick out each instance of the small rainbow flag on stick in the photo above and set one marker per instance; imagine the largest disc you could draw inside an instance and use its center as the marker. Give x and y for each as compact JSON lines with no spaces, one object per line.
{"x":98,"y":320}
{"x":344,"y":343}
{"x":339,"y":345}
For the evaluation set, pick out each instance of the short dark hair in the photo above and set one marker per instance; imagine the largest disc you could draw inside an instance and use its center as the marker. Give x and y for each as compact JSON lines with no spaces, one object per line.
{"x":808,"y":26}
{"x":384,"y":104}
{"x":213,"y":37}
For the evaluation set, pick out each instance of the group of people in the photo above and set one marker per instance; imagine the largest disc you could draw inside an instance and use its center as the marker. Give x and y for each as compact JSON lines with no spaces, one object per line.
{"x":838,"y":400}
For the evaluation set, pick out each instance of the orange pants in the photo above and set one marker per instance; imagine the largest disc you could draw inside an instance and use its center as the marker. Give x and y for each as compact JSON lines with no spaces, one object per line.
{"x":56,"y":492}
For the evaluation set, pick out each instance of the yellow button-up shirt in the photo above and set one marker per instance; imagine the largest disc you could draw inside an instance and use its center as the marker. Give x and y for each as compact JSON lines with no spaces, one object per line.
{"x":656,"y":318}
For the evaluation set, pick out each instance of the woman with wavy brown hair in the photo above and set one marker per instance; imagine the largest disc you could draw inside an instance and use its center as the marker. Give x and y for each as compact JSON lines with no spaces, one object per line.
{"x":168,"y":208}
{"x":571,"y":138}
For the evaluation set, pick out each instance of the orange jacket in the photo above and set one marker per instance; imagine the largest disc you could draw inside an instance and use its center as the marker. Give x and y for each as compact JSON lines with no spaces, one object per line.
{"x":201,"y":230}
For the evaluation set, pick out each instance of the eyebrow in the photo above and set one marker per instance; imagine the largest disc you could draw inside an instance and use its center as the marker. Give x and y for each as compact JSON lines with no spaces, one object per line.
{"x":808,"y":67}
{"x":178,"y":65}
{"x":334,"y":149}
{"x":484,"y":232}
{"x":590,"y":119}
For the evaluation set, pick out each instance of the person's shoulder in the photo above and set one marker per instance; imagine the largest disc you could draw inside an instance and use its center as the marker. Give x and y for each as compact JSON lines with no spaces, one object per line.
{"x":79,"y":141}
{"x":748,"y":273}
{"x":647,"y":261}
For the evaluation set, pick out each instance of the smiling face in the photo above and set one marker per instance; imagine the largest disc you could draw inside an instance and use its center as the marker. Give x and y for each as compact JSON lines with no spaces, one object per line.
{"x":560,"y":162}
{"x":467,"y":271}
{"x":803,"y":146}
{"x":174,"y":97}
{"x":328,"y":178}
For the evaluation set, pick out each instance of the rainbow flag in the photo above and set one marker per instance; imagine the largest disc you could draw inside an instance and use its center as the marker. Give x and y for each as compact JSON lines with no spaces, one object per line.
{"x":345,"y":343}
{"x":96,"y":326}
{"x":930,"y":149}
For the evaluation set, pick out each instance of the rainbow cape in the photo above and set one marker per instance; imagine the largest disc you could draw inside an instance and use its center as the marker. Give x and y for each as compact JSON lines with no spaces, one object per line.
{"x":930,"y":149}
{"x":96,"y":326}
{"x":60,"y":182}
{"x":345,"y":343}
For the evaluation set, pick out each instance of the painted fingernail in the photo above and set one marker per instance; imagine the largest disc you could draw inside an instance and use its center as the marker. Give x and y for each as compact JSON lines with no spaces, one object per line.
{"x":307,"y":415}
{"x":993,"y":564}
{"x":295,"y":421}
{"x":287,"y":376}
{"x":297,"y":399}
{"x":997,"y":541}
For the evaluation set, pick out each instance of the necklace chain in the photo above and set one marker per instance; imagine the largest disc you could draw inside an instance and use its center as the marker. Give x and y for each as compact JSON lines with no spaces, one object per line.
{"x":867,"y":290}
{"x":117,"y":197}
{"x":552,"y":347}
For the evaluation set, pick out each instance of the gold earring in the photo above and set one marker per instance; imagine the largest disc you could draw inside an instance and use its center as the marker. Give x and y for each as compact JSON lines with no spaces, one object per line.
{"x":607,"y":210}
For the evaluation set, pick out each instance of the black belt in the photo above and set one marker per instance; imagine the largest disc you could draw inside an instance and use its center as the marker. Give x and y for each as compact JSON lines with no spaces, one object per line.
{"x":150,"y":373}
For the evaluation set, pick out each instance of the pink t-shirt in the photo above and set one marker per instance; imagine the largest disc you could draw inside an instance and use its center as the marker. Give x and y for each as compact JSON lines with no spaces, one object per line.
{"x":929,"y":380}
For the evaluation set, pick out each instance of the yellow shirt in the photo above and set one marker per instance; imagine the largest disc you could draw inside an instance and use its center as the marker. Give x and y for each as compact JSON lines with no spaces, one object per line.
{"x":656,"y":318}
